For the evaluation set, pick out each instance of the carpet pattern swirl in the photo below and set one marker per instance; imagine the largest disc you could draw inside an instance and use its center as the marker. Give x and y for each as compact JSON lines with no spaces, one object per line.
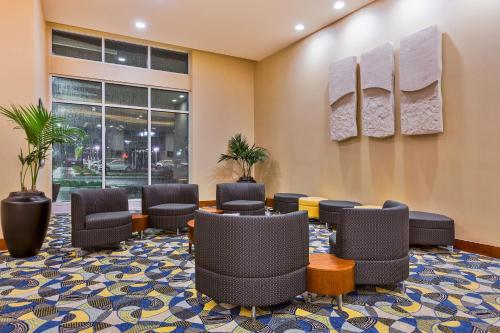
{"x":148,"y":286}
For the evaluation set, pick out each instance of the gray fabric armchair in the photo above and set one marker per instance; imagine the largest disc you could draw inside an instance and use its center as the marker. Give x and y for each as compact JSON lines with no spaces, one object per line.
{"x":100,"y":217}
{"x":169,"y":206}
{"x":251,"y":260}
{"x":378,"y":240}
{"x":243,"y":198}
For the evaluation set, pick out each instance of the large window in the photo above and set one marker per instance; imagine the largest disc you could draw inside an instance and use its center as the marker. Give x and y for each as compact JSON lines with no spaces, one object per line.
{"x":73,"y":45}
{"x":134,"y":136}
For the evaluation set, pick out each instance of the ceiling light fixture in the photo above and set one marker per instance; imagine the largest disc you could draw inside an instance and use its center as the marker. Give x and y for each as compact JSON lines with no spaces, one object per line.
{"x":339,"y":5}
{"x":299,"y":27}
{"x":140,"y":25}
{"x":174,"y":100}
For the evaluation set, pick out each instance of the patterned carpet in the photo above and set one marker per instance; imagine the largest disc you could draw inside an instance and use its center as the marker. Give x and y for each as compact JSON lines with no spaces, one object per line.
{"x":149,"y":286}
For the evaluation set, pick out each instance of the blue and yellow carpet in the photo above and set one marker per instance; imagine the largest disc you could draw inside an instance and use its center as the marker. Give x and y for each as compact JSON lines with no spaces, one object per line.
{"x":149,"y":286}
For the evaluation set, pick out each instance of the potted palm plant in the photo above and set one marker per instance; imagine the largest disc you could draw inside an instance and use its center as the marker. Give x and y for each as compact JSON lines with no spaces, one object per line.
{"x":26,"y":213}
{"x":246,"y":156}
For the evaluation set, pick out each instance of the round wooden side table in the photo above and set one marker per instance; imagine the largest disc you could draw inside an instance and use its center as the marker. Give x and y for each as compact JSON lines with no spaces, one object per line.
{"x":329,"y":275}
{"x":190,"y":225}
{"x":139,"y":223}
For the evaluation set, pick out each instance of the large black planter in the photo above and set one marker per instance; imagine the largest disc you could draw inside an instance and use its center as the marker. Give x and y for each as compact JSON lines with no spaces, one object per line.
{"x":246,"y":180}
{"x":25,"y":218}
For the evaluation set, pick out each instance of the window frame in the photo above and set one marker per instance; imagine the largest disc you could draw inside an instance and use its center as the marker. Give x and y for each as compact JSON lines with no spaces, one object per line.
{"x":103,"y":106}
{"x":122,"y":40}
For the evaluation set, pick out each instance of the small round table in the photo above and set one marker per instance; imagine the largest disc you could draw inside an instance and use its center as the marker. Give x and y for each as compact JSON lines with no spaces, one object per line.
{"x":190,"y":225}
{"x":139,"y":223}
{"x":329,"y":275}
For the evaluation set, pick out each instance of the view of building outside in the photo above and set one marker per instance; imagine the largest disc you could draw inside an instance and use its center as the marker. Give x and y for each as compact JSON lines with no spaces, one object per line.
{"x":123,"y":116}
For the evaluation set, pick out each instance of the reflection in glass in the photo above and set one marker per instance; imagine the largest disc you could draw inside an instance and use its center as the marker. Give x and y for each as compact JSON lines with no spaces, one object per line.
{"x":169,"y":145}
{"x":126,"y":95}
{"x":75,"y":167}
{"x":76,"y":46}
{"x":126,"y":149}
{"x":169,"y":99}
{"x":126,"y":54}
{"x":76,"y":90}
{"x":169,"y":61}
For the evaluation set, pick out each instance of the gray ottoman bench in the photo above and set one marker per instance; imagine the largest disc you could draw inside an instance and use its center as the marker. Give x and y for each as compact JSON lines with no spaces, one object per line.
{"x":431,"y":229}
{"x":329,"y":211}
{"x":287,"y":202}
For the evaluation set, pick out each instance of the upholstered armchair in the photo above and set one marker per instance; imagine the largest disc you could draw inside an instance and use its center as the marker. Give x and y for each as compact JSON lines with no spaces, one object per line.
{"x":242,"y":198}
{"x":169,"y":206}
{"x":377,"y":239}
{"x":251,"y":260}
{"x":100,"y":217}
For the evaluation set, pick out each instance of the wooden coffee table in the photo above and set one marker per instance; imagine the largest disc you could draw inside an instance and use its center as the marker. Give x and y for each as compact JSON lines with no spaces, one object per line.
{"x":139,"y":224}
{"x":329,"y":275}
{"x":212,"y":210}
{"x":191,"y":225}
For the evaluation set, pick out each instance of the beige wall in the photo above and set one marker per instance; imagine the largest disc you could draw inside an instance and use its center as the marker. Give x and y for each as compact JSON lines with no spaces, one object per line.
{"x":23,"y":72}
{"x":456,"y":173}
{"x":223,"y":105}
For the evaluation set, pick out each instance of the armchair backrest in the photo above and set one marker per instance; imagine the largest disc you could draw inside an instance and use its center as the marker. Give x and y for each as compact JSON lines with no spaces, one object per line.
{"x":374,"y":234}
{"x":86,"y":202}
{"x":153,"y":195}
{"x":252,"y":246}
{"x":240,"y":191}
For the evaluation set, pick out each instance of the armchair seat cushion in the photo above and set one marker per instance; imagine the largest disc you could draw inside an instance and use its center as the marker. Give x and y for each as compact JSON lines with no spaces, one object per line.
{"x":242,"y":205}
{"x":172,"y":209}
{"x":108,"y":220}
{"x":430,"y":221}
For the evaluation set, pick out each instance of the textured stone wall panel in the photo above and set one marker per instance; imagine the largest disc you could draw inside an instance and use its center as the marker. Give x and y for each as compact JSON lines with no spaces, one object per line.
{"x":377,"y":88}
{"x":343,"y":99}
{"x":420,"y":82}
{"x":343,"y":118}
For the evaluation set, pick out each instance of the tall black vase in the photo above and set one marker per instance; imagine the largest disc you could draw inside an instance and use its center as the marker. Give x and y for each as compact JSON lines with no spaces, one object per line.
{"x":246,"y":180}
{"x":25,"y":218}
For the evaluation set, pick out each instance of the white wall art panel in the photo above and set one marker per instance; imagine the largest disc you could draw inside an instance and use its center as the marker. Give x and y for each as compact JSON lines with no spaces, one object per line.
{"x":343,"y":100}
{"x":420,"y":74}
{"x":377,"y":88}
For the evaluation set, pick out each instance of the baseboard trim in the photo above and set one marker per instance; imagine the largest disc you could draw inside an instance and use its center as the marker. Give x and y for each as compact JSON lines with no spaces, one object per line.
{"x":478,"y":248}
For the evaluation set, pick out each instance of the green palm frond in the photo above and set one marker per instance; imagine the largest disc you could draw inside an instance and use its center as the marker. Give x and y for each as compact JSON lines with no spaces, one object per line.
{"x":245,"y":155}
{"x":42,"y":130}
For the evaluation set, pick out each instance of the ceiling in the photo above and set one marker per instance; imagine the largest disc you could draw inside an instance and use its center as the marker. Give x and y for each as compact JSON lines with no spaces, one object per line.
{"x":252,"y":29}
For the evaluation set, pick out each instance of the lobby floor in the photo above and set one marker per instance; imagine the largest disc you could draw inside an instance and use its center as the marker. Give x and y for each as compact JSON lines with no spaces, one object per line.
{"x":149,"y":286}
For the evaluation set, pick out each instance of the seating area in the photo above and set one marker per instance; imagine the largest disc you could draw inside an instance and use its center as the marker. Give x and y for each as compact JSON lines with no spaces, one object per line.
{"x":276,"y":166}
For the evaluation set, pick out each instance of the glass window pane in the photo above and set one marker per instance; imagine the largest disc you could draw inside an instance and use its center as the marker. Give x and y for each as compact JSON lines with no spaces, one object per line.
{"x":76,"y":45}
{"x":169,"y":145}
{"x":126,"y":53}
{"x":126,"y":149}
{"x":76,"y":90}
{"x":170,"y":100}
{"x":77,"y":166}
{"x":169,"y":61}
{"x":126,"y":95}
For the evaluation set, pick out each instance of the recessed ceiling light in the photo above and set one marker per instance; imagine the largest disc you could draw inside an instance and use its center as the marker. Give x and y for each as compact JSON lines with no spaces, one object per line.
{"x":339,"y":5}
{"x":121,"y":59}
{"x":174,"y":100}
{"x":299,"y":27}
{"x":140,"y":25}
